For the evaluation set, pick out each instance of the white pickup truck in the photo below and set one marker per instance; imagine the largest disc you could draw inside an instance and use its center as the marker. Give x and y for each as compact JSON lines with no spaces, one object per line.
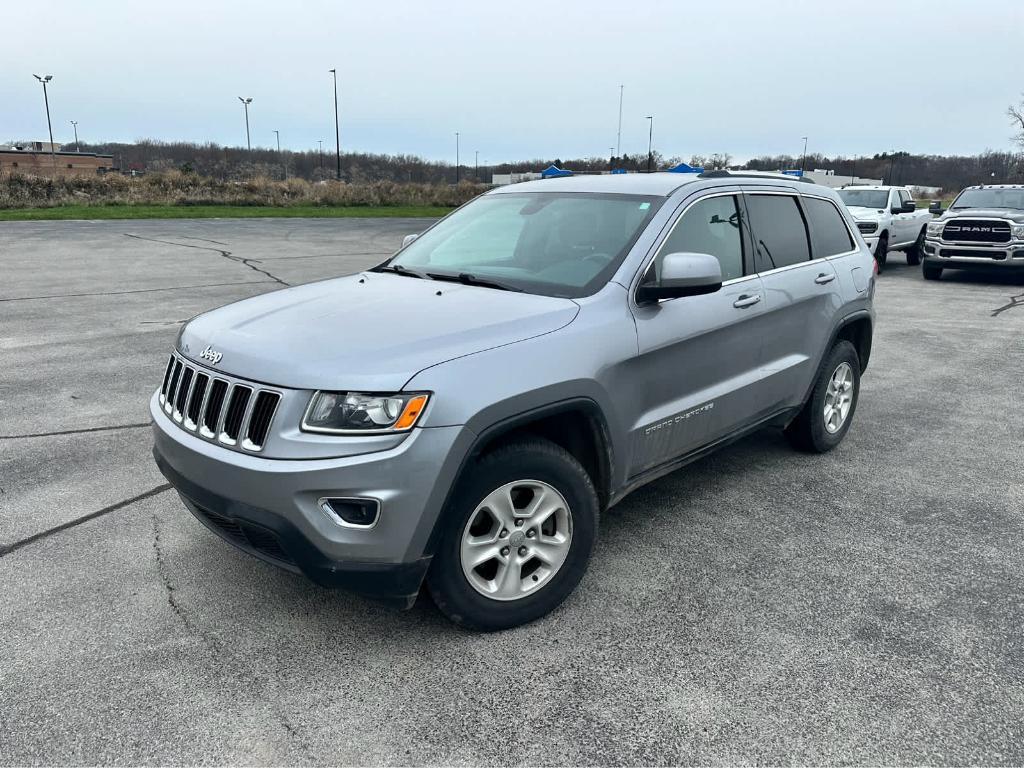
{"x":888,"y":219}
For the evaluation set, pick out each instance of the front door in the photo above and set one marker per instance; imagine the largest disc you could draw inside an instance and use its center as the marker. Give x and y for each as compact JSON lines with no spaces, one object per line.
{"x":699,"y":356}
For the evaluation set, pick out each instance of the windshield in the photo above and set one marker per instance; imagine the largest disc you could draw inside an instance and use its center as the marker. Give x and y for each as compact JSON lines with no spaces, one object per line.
{"x":553,"y":243}
{"x":865,"y":198}
{"x":989,"y":198}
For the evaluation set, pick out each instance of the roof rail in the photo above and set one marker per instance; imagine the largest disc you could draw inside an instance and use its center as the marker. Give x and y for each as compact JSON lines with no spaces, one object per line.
{"x":724,"y":174}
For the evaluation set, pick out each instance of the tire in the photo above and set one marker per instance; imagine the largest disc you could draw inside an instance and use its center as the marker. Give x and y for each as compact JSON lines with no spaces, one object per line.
{"x":915,"y":252}
{"x":515,"y":472}
{"x":931,"y":273}
{"x":882,"y":250}
{"x":809,"y":431}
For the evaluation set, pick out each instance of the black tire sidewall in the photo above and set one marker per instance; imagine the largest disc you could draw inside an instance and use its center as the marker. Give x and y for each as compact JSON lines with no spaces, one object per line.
{"x":821,"y":438}
{"x":882,"y":250}
{"x":533,"y":460}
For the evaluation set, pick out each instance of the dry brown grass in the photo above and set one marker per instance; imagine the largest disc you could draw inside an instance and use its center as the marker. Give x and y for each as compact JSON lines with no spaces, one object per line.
{"x":176,"y":188}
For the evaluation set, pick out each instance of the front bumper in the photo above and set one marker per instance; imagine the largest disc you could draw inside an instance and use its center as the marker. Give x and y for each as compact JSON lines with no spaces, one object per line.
{"x":996,"y":257}
{"x":269,"y":507}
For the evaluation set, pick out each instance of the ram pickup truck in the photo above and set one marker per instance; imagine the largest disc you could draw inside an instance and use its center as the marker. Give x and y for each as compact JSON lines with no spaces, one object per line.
{"x":888,"y":219}
{"x":982,"y":230}
{"x":463,"y":412}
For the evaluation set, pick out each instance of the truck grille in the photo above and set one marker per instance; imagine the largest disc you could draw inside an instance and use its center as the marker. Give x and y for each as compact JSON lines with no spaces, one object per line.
{"x":976,"y":231}
{"x":232,"y":413}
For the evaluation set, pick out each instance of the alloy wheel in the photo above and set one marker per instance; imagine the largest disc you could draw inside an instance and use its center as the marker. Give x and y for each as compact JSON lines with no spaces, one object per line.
{"x":838,"y":398}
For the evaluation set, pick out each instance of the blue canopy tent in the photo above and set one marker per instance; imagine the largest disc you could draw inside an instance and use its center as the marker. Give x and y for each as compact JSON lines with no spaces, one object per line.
{"x":684,"y":168}
{"x":553,"y":172}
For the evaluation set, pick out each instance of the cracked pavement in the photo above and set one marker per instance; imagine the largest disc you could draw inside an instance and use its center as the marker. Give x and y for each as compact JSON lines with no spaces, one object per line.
{"x":760,"y":606}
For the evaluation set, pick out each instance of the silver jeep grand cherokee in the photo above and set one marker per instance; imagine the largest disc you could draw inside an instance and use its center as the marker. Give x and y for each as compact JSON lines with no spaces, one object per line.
{"x":463,"y":412}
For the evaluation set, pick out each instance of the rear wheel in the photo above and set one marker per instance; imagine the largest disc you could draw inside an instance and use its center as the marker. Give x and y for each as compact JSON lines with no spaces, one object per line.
{"x":882,"y":250}
{"x":517,"y":539}
{"x":931,"y":273}
{"x":828,"y":413}
{"x":915,"y":253}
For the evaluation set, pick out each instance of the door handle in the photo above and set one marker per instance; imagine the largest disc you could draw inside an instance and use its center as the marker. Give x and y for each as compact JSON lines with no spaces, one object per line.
{"x":746,"y":300}
{"x":824,"y":278}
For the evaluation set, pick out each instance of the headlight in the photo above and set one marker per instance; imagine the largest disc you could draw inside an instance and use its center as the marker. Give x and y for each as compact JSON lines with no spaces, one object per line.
{"x":935,"y":228}
{"x":363,"y":413}
{"x":1018,"y":231}
{"x":867,"y":227}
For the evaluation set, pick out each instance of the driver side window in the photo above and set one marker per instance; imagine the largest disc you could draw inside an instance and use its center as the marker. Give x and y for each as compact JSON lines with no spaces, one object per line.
{"x":711,"y":225}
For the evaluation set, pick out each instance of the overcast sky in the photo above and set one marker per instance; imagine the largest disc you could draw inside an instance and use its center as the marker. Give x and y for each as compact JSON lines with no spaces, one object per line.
{"x":523,"y":79}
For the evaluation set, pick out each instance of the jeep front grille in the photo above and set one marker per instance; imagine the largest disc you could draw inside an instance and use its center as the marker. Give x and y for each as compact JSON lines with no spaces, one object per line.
{"x":976,"y":231}
{"x":232,"y":413}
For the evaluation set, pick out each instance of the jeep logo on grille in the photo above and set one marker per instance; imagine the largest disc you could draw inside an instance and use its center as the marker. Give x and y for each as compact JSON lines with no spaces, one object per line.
{"x":210,"y":354}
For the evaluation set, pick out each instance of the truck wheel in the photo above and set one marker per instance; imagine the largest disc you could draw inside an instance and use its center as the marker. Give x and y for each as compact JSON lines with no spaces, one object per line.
{"x":828,"y":413}
{"x":517,"y":539}
{"x":915,"y":253}
{"x":931,"y":273}
{"x":882,"y":250}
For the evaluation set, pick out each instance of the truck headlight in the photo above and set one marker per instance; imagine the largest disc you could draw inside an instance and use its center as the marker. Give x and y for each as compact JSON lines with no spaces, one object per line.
{"x":1018,"y":231}
{"x":340,"y":413}
{"x":867,"y":227}
{"x":935,"y":229}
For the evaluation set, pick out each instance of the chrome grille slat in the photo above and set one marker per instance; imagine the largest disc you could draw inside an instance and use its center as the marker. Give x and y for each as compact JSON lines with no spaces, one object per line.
{"x":214,"y":407}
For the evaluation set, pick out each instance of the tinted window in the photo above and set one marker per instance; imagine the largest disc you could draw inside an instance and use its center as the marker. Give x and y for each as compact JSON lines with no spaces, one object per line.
{"x":828,"y":230}
{"x":710,"y":226}
{"x":780,"y":233}
{"x":1012,"y":197}
{"x":905,"y":196}
{"x":864,"y":198}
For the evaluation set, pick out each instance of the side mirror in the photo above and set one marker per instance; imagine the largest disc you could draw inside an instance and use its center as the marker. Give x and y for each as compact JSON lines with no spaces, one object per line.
{"x":896,"y":210}
{"x":408,"y":239}
{"x":935,"y":206}
{"x":909,"y":206}
{"x":682,"y":274}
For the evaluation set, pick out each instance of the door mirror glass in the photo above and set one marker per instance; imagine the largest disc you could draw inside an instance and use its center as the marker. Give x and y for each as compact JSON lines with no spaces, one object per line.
{"x":935,"y":206}
{"x":682,"y":274}
{"x":909,"y":206}
{"x":409,"y":238}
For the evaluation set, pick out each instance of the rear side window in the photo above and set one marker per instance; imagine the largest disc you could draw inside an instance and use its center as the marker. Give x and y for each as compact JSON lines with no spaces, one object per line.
{"x":711,"y":225}
{"x":780,"y":232}
{"x":829,"y":234}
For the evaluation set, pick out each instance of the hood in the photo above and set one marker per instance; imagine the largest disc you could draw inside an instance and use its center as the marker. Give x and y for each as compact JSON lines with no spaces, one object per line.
{"x":865,"y":214}
{"x":985,"y":213}
{"x":368,"y":332}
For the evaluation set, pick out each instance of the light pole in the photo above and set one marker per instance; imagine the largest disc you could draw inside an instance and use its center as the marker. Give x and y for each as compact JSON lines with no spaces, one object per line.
{"x":284,"y":168}
{"x":456,"y":157}
{"x":650,"y":143}
{"x":46,"y":99}
{"x":246,"y":103}
{"x":803,"y":158}
{"x":321,"y":143}
{"x":618,"y":140}
{"x":75,"y":124}
{"x":611,"y":158}
{"x":337,"y":128}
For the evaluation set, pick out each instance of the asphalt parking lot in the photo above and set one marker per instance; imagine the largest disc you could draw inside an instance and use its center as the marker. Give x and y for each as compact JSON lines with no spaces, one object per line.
{"x":760,"y":606}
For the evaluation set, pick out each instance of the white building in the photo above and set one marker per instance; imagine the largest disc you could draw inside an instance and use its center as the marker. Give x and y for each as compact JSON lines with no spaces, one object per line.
{"x":836,"y":180}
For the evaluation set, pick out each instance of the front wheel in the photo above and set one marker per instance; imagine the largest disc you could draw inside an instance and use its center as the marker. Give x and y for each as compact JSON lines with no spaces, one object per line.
{"x":882,"y":250}
{"x":828,"y":413}
{"x":517,"y":539}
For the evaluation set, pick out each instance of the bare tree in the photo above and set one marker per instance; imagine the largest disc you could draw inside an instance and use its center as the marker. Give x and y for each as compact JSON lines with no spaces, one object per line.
{"x":1016,"y":115}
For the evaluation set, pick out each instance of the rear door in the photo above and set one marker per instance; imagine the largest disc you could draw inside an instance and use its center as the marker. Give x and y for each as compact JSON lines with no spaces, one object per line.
{"x":699,"y":360}
{"x":801,"y":290}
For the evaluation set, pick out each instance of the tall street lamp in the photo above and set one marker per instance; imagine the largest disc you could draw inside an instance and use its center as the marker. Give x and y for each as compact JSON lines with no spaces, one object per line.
{"x":650,"y":143}
{"x":246,"y":103}
{"x":337,"y":127}
{"x":321,"y":143}
{"x":284,"y":166}
{"x":618,"y":140}
{"x":611,"y":158}
{"x":46,"y":99}
{"x":456,"y":157}
{"x":476,"y":165}
{"x":75,"y":124}
{"x":803,"y":158}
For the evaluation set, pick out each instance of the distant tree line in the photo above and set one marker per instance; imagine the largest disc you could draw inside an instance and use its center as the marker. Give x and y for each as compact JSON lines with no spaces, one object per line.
{"x":949,"y":172}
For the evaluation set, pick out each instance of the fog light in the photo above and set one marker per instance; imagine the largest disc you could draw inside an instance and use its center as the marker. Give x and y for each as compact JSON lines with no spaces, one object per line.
{"x":352,"y":513}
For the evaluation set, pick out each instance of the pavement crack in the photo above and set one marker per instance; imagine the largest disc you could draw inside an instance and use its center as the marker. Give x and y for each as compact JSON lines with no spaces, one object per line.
{"x":1015,"y":301}
{"x":77,"y":431}
{"x":223,"y":252}
{"x":168,"y":585}
{"x":9,"y":548}
{"x":137,"y":290}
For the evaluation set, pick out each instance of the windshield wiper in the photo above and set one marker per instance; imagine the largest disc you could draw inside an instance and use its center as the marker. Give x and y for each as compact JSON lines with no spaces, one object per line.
{"x":398,"y":269}
{"x":467,"y":279}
